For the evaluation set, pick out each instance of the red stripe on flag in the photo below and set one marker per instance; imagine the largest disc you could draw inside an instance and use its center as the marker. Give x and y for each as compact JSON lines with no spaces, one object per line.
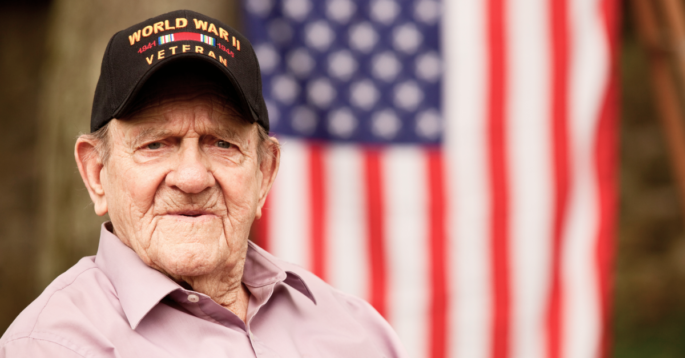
{"x":260,"y":228}
{"x":317,"y":207}
{"x":438,"y":250}
{"x":606,"y":163}
{"x":498,"y":179}
{"x":560,"y":157}
{"x":376,"y":232}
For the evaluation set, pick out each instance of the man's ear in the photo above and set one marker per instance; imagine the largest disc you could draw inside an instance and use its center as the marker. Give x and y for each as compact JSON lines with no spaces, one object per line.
{"x":269,"y":168}
{"x":90,"y":166}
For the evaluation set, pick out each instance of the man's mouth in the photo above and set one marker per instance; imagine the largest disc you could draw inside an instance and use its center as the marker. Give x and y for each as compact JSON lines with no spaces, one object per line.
{"x":190,"y":213}
{"x":193,"y":214}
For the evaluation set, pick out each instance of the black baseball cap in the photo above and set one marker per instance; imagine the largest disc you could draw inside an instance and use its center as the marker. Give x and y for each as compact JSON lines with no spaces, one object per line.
{"x":133,"y":55}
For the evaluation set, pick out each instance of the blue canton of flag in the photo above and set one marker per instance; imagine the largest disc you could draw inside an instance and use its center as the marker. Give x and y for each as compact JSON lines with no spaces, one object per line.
{"x":350,"y":71}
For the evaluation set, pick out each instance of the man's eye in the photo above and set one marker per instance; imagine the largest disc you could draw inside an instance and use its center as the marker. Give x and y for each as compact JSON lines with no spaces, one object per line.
{"x":155,"y":145}
{"x":223,"y":144}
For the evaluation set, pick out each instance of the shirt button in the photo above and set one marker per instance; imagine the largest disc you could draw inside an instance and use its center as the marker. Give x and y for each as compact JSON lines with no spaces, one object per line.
{"x":193,"y":298}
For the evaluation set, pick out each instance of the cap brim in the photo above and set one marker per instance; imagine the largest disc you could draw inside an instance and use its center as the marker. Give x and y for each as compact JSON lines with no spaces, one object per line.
{"x":125,"y":108}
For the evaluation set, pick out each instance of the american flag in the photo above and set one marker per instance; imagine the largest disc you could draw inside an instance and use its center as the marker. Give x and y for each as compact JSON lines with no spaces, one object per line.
{"x":451,"y":162}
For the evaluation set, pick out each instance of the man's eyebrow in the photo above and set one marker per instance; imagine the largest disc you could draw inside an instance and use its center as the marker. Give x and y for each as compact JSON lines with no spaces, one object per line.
{"x":150,"y":132}
{"x":227,"y":133}
{"x":154,"y":132}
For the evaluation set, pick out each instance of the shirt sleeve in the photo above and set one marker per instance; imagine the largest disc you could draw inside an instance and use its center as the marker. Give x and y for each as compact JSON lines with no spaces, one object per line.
{"x":37,"y":348}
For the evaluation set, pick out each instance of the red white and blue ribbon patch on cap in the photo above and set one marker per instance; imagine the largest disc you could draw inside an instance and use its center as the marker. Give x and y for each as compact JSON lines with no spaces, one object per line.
{"x":187,"y":36}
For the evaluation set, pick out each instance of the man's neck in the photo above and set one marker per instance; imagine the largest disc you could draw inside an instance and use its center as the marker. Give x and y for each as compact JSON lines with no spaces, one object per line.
{"x":225,"y":288}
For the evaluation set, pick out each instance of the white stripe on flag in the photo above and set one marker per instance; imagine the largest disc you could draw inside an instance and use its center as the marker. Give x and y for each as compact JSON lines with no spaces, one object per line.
{"x":347,"y":249}
{"x":531,"y":173}
{"x":289,"y":201}
{"x":406,"y":222}
{"x":464,"y":94}
{"x":589,"y":78}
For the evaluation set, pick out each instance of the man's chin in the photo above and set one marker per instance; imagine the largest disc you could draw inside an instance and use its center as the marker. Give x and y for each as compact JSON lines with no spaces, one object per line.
{"x":181,"y":230}
{"x":188,"y":260}
{"x":188,"y":246}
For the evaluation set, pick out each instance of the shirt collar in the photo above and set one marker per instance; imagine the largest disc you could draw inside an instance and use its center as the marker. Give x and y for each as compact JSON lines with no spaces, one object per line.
{"x":262,"y":268}
{"x":140,"y":287}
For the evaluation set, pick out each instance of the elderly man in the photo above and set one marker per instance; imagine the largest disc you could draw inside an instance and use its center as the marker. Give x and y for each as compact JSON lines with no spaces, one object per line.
{"x":180,"y":158}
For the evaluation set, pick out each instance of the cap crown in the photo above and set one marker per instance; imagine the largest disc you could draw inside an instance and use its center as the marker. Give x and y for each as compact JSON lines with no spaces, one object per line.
{"x":134,"y":54}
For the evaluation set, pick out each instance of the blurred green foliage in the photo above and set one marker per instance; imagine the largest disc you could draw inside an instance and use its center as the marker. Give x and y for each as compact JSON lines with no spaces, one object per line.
{"x":649,"y":297}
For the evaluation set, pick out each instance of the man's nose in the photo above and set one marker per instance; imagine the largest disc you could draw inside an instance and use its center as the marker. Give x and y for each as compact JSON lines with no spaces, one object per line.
{"x":192,"y":174}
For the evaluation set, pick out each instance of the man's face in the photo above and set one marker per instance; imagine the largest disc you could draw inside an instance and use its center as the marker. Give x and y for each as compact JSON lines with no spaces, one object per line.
{"x":183,"y":183}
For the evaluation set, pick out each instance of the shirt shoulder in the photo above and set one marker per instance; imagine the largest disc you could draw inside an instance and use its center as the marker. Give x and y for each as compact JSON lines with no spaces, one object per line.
{"x":367,"y":319}
{"x":56,"y":324}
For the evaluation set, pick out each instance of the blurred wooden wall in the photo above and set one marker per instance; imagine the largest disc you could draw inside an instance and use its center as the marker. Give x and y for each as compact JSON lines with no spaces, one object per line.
{"x":50,"y":56}
{"x":20,"y":62}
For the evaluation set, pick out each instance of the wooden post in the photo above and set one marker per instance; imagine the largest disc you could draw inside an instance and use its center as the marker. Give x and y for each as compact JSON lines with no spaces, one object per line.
{"x":663,"y":80}
{"x":675,"y":21}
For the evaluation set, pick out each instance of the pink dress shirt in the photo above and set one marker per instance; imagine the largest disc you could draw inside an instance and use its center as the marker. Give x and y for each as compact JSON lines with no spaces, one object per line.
{"x":113,"y":305}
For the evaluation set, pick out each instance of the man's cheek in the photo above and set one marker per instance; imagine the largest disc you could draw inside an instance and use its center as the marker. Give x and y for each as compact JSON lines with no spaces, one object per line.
{"x":143,"y":185}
